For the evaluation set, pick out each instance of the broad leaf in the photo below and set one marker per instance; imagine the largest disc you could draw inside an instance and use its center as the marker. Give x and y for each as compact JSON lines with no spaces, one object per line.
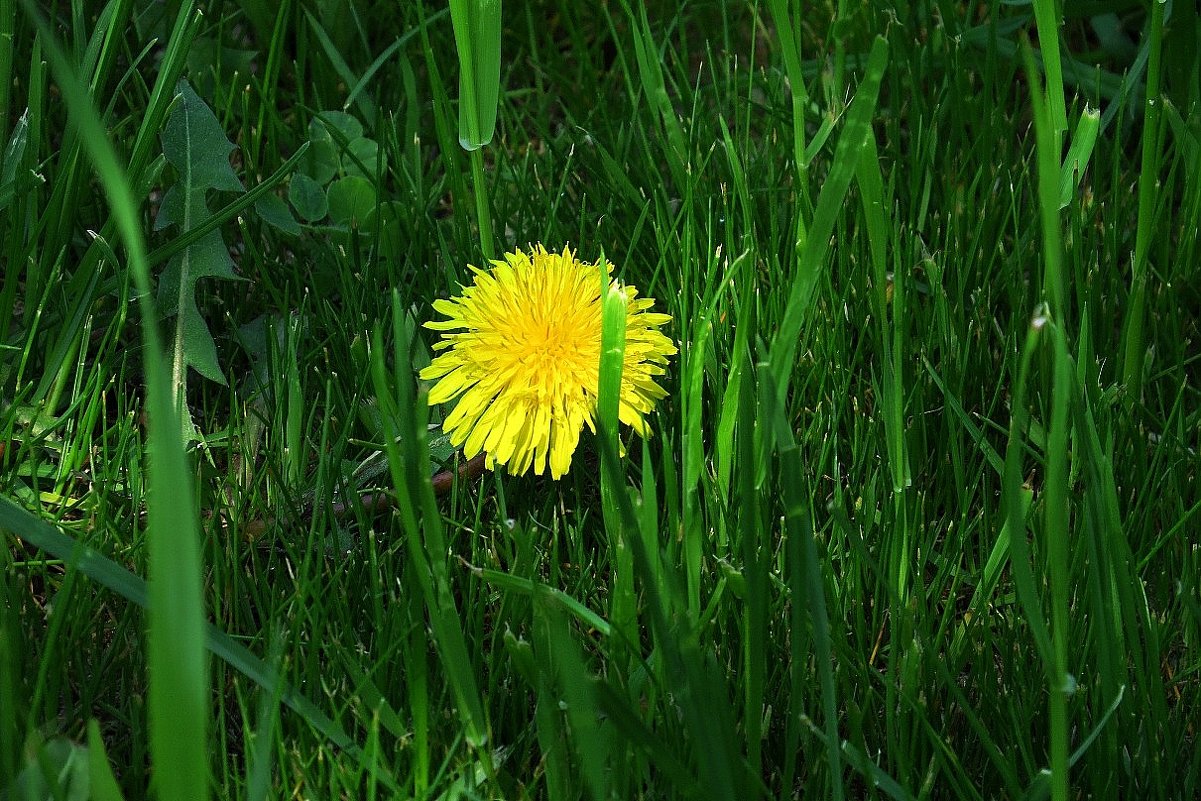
{"x":196,"y":146}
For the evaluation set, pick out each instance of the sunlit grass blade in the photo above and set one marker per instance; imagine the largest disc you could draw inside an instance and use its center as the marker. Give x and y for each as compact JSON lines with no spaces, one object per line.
{"x":404,"y":416}
{"x":623,"y":608}
{"x":1084,"y":139}
{"x":812,"y":252}
{"x":477,"y":39}
{"x":1047,"y":18}
{"x":178,"y":686}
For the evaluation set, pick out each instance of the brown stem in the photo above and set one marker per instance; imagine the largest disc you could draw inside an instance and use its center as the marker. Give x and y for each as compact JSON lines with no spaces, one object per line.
{"x":376,"y":501}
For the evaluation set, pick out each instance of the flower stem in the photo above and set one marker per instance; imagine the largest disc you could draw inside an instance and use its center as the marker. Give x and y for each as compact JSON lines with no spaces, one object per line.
{"x":482,"y":209}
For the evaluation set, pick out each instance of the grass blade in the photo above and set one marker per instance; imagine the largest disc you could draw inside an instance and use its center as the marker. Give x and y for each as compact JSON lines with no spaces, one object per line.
{"x":477,"y":38}
{"x":1134,"y":346}
{"x":408,"y":462}
{"x":812,"y":252}
{"x":109,"y":574}
{"x":178,"y":692}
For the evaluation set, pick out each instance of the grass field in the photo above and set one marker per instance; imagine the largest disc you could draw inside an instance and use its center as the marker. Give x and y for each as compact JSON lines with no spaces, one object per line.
{"x":917,"y":517}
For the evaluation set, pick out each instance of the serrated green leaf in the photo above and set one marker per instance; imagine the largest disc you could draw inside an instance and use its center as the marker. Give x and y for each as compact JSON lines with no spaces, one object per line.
{"x":206,"y":258}
{"x":196,"y":146}
{"x":199,"y":349}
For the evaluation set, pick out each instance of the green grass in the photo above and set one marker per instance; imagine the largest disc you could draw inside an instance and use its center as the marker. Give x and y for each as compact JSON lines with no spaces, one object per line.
{"x":918,"y":516}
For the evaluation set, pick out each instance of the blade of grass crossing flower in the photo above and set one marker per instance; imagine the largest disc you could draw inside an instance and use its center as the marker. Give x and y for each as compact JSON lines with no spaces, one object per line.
{"x":178,"y":685}
{"x":699,"y":697}
{"x":812,"y":254}
{"x":623,"y":609}
{"x":1134,"y":348}
{"x":404,"y":419}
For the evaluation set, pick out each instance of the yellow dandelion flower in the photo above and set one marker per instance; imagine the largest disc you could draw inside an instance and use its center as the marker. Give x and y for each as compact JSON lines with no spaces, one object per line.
{"x":521,"y":353}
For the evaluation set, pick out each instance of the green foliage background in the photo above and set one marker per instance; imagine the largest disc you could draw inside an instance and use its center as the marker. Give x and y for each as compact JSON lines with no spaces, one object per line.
{"x":918,"y":518}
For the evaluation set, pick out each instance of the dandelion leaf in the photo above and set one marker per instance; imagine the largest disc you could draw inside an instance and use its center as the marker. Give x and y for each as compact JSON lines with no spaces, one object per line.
{"x":196,"y":146}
